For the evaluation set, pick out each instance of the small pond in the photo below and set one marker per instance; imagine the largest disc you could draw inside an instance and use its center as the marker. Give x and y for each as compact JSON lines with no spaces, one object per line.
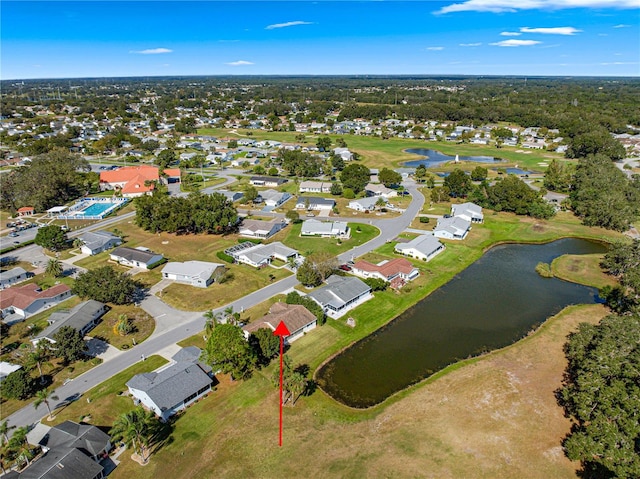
{"x":432,"y":158}
{"x":491,"y":304}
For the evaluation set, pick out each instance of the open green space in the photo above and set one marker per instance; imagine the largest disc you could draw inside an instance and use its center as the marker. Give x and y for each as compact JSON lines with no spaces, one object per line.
{"x":583,"y":269}
{"x":143,"y":325}
{"x":305,"y":245}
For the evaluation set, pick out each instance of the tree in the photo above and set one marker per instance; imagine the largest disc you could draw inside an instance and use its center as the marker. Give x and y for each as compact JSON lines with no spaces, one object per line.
{"x":39,"y":357}
{"x":389,"y":177}
{"x":479,"y":173}
{"x":43,"y":396}
{"x":601,"y":393}
{"x":4,"y":432}
{"x":623,"y":261}
{"x":293,"y":216}
{"x":123,"y":326}
{"x":355,"y":177}
{"x":166,"y":158}
{"x":295,"y":298}
{"x":229,"y":352}
{"x":557,"y":177}
{"x":307,"y":274}
{"x":107,"y":285}
{"x":51,"y":179}
{"x":264,"y":344}
{"x":336,"y":189}
{"x":69,"y":344}
{"x":514,"y":195}
{"x":337,"y":162}
{"x":250,"y":193}
{"x":17,"y":385}
{"x":211,"y":321}
{"x":51,"y":237}
{"x":377,"y":284}
{"x":323,"y":143}
{"x":459,"y":183}
{"x":294,"y":380}
{"x":602,"y":195}
{"x":597,"y":142}
{"x":439,"y":193}
{"x":54,"y":268}
{"x":273,"y":171}
{"x":19,"y":446}
{"x":136,"y":429}
{"x":324,"y":263}
{"x":420,"y":173}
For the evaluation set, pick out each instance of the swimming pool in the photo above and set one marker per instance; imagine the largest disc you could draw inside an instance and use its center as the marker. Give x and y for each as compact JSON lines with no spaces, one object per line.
{"x":93,"y":208}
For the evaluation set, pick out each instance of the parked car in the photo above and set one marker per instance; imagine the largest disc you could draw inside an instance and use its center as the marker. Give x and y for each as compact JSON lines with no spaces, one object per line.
{"x":13,"y":234}
{"x":345,"y":267}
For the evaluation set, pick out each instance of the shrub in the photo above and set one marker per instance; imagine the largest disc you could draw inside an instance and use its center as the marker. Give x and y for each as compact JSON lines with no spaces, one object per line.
{"x":424,"y":219}
{"x":544,"y":270}
{"x":225,"y":257}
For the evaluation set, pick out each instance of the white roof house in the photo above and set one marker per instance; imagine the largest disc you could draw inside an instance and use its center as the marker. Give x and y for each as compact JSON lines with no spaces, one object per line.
{"x":455,"y":228}
{"x":261,"y":254}
{"x":195,"y":273}
{"x":315,"y":187}
{"x":423,"y":247}
{"x":274,"y":198}
{"x":365,"y":204}
{"x":98,"y":241}
{"x":380,"y":190}
{"x":325,"y":229}
{"x":314,"y":203}
{"x":468,"y":211}
{"x":343,"y":153}
{"x":260,"y":229}
{"x":341,"y":294}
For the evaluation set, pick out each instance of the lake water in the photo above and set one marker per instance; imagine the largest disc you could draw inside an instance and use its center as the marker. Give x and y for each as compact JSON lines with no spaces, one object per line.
{"x":431,"y":158}
{"x":491,"y":304}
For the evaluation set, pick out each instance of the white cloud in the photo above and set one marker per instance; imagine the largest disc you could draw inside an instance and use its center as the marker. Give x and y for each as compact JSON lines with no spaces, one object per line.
{"x":435,"y":49}
{"x":287,"y":24}
{"x":510,"y":34}
{"x":239,"y":63}
{"x":622,"y":25}
{"x":470,"y":44}
{"x":501,"y":6}
{"x":551,"y":30}
{"x":515,"y":43}
{"x":152,"y":51}
{"x":620,"y":63}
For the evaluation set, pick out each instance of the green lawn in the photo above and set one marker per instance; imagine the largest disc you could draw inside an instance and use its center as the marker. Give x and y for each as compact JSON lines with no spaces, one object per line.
{"x":143,"y":325}
{"x":290,"y":236}
{"x":104,"y":403}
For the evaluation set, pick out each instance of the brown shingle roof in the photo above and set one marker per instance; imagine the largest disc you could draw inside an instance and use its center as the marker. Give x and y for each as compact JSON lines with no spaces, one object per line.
{"x":295,"y":316}
{"x":390,"y":268}
{"x":22,"y":296}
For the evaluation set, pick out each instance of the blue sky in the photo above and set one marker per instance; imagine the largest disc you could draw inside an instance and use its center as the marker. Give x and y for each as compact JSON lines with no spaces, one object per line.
{"x":62,"y":39}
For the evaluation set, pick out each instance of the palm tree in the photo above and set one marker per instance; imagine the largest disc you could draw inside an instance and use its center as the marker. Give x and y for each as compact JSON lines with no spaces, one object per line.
{"x":212,"y":320}
{"x":297,"y":384}
{"x":228,"y":314}
{"x":4,"y":431}
{"x":43,"y":396}
{"x":77,"y":243}
{"x":39,"y":357}
{"x":54,"y":268}
{"x":18,"y":444}
{"x":135,"y":428}
{"x":123,"y":325}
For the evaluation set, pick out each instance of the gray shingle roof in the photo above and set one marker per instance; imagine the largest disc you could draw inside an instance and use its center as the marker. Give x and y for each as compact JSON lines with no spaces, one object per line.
{"x":70,"y":434}
{"x":133,"y":254}
{"x":170,"y":386}
{"x":62,"y":464}
{"x":339,"y":290}
{"x":77,"y":317}
{"x":97,"y":239}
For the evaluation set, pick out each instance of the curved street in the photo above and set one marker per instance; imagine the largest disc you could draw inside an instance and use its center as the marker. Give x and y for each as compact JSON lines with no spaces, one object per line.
{"x":173,"y":325}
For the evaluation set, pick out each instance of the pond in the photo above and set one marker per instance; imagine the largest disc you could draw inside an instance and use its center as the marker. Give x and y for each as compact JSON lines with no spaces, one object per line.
{"x":432,"y":158}
{"x":491,"y":304}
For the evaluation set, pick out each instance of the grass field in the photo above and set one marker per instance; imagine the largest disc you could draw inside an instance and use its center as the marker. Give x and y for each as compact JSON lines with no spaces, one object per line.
{"x":143,"y":325}
{"x":583,"y":269}
{"x":305,"y":245}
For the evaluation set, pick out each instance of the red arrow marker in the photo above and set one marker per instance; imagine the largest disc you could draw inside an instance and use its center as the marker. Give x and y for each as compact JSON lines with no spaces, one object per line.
{"x":281,"y":331}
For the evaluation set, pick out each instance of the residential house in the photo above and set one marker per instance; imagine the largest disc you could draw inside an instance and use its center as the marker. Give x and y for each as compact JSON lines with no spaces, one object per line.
{"x":194,"y":273}
{"x":343,"y":153}
{"x":315,"y":203}
{"x":231,"y":195}
{"x":270,"y":181}
{"x":298,"y":319}
{"x":260,"y":229}
{"x":83,"y":318}
{"x":424,"y":247}
{"x":26,"y":300}
{"x":366,"y":204}
{"x":455,"y":228}
{"x":71,"y":451}
{"x":325,"y":229}
{"x":261,"y":255}
{"x":379,"y":190}
{"x":139,"y":257}
{"x":273,"y":198}
{"x":13,"y":276}
{"x":8,"y":368}
{"x":468,"y":211}
{"x":397,"y":271}
{"x":98,"y":241}
{"x":172,"y":175}
{"x":26,"y":211}
{"x":341,"y":294}
{"x":315,"y":187}
{"x":173,"y":388}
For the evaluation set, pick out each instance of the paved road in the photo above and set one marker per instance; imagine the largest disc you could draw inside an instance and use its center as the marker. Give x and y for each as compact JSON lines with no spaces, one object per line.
{"x":174,"y":325}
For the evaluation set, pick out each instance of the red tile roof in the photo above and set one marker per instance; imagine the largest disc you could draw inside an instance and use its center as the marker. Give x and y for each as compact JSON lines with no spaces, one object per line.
{"x":22,"y":296}
{"x":128,"y":173}
{"x":25,"y":209}
{"x":172,"y":171}
{"x":388,"y":269}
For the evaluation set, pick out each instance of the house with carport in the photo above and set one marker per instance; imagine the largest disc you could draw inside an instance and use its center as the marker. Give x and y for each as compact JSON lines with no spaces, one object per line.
{"x":325,"y":229}
{"x":454,"y":228}
{"x":21,"y":302}
{"x":139,"y":257}
{"x":95,"y":242}
{"x":261,"y":255}
{"x":341,"y":294}
{"x":194,"y":273}
{"x":424,"y":247}
{"x":468,"y":211}
{"x":82,"y":317}
{"x":315,"y":203}
{"x":397,"y":271}
{"x":366,"y":204}
{"x":14,"y":276}
{"x":173,"y":387}
{"x":259,"y":228}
